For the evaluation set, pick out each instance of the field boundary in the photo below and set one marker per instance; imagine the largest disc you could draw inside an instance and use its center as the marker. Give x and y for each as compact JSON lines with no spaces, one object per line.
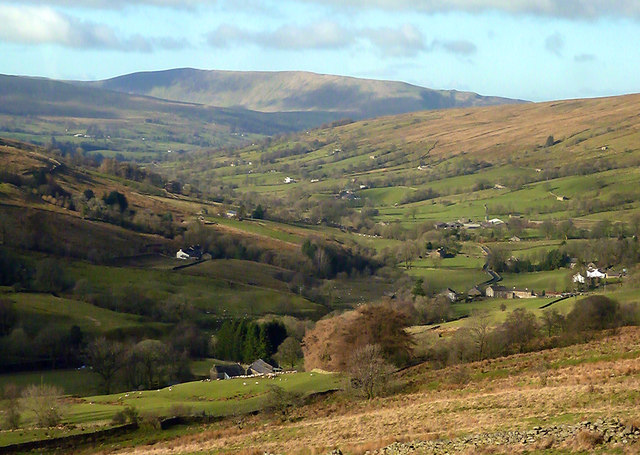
{"x":69,"y":441}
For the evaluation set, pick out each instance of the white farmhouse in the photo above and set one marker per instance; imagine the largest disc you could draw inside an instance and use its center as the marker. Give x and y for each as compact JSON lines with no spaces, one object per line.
{"x":595,"y":273}
{"x":579,"y":278}
{"x":181,"y":254}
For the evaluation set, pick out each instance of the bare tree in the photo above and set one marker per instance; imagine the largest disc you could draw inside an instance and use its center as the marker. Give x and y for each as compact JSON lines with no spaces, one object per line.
{"x":553,"y":322}
{"x":369,"y":372}
{"x":44,"y":401}
{"x":520,"y":328}
{"x":11,"y":407}
{"x":106,"y":358}
{"x":480,"y":330}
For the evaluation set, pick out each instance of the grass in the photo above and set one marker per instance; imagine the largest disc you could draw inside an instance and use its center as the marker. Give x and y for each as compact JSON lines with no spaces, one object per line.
{"x":233,"y":396}
{"x":204,"y":286}
{"x":42,"y":309}
{"x":76,"y":382}
{"x":218,"y":398}
{"x":554,"y":280}
{"x":461,"y":280}
{"x":265,"y":228}
{"x":498,"y":395}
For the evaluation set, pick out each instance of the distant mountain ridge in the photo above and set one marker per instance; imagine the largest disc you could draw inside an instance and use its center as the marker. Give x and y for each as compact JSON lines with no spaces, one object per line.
{"x":289,"y":91}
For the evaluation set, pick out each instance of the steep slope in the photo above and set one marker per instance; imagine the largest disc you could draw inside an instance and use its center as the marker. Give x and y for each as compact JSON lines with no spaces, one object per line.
{"x":294,"y":91}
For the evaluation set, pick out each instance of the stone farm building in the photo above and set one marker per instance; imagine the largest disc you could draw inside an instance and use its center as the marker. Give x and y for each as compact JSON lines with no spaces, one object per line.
{"x":261,"y":367}
{"x":226,"y":371}
{"x":501,"y":292}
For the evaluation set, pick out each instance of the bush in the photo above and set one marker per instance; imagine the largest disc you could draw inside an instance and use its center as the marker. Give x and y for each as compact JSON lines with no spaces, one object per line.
{"x":131,"y":414}
{"x":596,"y":312}
{"x":177,"y":410}
{"x":369,"y":372}
{"x":151,"y":419}
{"x":279,"y":401}
{"x":44,"y":401}
{"x":11,"y":407}
{"x":119,"y":418}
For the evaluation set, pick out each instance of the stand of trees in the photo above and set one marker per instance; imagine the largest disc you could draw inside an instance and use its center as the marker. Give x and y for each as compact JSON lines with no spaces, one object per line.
{"x":330,"y":344}
{"x":522,"y":331}
{"x":246,"y":341}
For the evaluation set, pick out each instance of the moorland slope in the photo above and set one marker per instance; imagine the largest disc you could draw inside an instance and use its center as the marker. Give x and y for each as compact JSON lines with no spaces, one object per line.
{"x":285,"y":91}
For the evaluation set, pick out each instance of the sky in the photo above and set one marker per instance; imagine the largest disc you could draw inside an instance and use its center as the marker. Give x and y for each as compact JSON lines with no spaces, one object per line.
{"x":536,"y":50}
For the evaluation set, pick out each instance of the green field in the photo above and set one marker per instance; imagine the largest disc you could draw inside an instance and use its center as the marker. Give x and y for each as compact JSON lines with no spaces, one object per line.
{"x":230,"y":288}
{"x":43,"y":309}
{"x":437,"y":279}
{"x":555,"y":280}
{"x":218,"y":398}
{"x":76,"y":382}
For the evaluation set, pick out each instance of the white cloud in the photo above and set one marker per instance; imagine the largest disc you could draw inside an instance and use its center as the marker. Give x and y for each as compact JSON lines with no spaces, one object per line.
{"x":460,"y":47}
{"x":402,"y":41}
{"x":115,"y":4}
{"x":405,"y":40}
{"x":570,"y":9}
{"x":44,"y":25}
{"x":322,"y":35}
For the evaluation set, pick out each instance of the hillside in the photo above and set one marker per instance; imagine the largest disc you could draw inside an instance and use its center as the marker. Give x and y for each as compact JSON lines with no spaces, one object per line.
{"x":109,"y":122}
{"x":573,"y":400}
{"x":447,"y":164}
{"x":288,"y":91}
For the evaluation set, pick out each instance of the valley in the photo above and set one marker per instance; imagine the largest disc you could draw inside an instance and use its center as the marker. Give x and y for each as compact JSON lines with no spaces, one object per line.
{"x":484,"y":258}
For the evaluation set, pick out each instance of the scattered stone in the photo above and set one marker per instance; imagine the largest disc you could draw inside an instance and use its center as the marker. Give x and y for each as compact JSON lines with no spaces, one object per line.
{"x":612,"y":430}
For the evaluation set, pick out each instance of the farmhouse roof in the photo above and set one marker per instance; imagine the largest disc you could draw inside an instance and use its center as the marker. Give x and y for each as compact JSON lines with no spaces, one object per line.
{"x":228,"y":370}
{"x":261,"y":367}
{"x":495,"y":287}
{"x":474,"y":292}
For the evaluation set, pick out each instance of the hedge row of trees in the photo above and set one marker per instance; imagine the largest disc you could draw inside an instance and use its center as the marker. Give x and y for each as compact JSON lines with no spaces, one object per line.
{"x":522,"y":331}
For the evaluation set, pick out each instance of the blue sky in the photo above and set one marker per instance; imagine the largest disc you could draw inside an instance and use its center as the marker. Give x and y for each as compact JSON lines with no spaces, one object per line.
{"x":530,"y":49}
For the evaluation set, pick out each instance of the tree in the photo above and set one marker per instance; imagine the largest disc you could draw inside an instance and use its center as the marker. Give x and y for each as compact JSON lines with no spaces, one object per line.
{"x":566,"y":229}
{"x":497,"y":258}
{"x":12,"y":268}
{"x":289,"y":352}
{"x":418,"y":288}
{"x":44,"y":401}
{"x":106,"y":358}
{"x":407,"y":252}
{"x":155,"y":362}
{"x":520,"y":328}
{"x":253,"y":348}
{"x":368,"y":370}
{"x":279,"y":400}
{"x":480,"y":331}
{"x":11,"y":404}
{"x":553,"y":322}
{"x":8,"y":316}
{"x":330,"y":343}
{"x":595,"y":312}
{"x":273,"y":334}
{"x":547,"y":228}
{"x":50,"y":276}
{"x":118,"y":198}
{"x":258,"y":212}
